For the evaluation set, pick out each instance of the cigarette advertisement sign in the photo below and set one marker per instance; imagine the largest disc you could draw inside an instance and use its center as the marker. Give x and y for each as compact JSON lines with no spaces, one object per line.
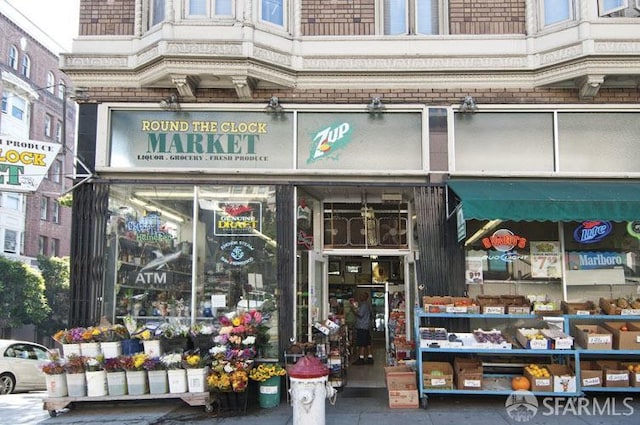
{"x":24,"y":163}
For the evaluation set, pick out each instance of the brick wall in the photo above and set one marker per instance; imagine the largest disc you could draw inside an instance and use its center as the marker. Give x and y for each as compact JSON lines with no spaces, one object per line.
{"x":487,"y":16}
{"x":107,"y":17}
{"x":337,"y":17}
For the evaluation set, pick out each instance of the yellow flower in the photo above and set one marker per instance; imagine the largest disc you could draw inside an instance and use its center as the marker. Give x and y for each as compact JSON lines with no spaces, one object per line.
{"x":236,"y":321}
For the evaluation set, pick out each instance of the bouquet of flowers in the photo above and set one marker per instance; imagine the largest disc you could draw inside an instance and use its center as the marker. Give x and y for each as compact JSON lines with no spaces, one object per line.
{"x":135,"y":361}
{"x":172,"y":361}
{"x":75,"y":364}
{"x":193,"y":360}
{"x":153,"y":363}
{"x":115,"y":364}
{"x":266,"y":371}
{"x":94,"y":364}
{"x":69,"y":336}
{"x":92,"y":334}
{"x":113,"y":333}
{"x":235,"y":381}
{"x":53,"y":367}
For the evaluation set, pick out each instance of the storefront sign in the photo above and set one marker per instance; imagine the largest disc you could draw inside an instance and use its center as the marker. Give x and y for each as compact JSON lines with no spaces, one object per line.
{"x":237,"y":253}
{"x":354,"y":141}
{"x":592,"y":231}
{"x":237,"y":219}
{"x":591,"y":260}
{"x":633,"y":228}
{"x":24,"y":163}
{"x":504,"y":240}
{"x":198,"y":139}
{"x":545,"y":259}
{"x":148,"y":229}
{"x":156,"y":279}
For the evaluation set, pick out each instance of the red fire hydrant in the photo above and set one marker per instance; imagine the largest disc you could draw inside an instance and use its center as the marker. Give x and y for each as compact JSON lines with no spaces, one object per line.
{"x":309,"y":388}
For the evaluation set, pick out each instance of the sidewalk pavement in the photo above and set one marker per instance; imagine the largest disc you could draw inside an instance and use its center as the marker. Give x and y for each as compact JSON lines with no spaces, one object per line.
{"x":360,"y":406}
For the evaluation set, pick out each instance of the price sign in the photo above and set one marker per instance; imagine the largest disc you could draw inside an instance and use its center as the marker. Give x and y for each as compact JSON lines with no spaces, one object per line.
{"x":438,"y":382}
{"x":599,"y":339}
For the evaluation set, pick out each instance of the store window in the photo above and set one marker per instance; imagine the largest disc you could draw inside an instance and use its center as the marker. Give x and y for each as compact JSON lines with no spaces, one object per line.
{"x":412,"y":16}
{"x":155,"y":235}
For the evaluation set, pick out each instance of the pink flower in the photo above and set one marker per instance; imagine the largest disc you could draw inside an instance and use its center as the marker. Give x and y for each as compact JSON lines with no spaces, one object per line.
{"x":224,"y":321}
{"x":257,"y":317}
{"x":247,"y":318}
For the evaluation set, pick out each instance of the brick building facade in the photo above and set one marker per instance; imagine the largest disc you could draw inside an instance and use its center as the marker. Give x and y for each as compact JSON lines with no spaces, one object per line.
{"x":33,"y":83}
{"x":462,"y":90}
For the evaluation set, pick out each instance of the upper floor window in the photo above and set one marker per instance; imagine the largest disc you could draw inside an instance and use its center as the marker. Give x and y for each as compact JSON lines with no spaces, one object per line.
{"x":13,"y":201}
{"x":55,"y":214}
{"x":272,"y":11}
{"x":47,"y":125}
{"x":619,"y":8}
{"x":5,"y":102}
{"x":10,"y":241}
{"x":411,"y":16}
{"x":59,"y":132}
{"x":62,"y":89}
{"x":42,"y":245}
{"x":13,"y":57}
{"x":51,"y":83}
{"x":206,"y":8}
{"x":55,"y":171}
{"x":555,"y":11}
{"x":25,"y":70}
{"x":157,"y":12}
{"x":18,"y":107}
{"x":44,"y":207}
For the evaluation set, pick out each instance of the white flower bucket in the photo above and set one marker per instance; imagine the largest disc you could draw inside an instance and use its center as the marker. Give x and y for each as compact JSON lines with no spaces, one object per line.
{"x":177,"y":380}
{"x":76,"y":385}
{"x":96,"y":383}
{"x":137,"y":382}
{"x":71,"y":350}
{"x":117,"y":383}
{"x":112,"y":349}
{"x":90,"y":349}
{"x":152,"y":348}
{"x":56,"y":385}
{"x":197,"y":380}
{"x":158,"y":382}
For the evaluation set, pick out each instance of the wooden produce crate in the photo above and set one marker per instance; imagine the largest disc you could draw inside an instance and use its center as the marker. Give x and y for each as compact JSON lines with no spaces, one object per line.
{"x":436,"y":304}
{"x":516,"y":304}
{"x":463,"y":305}
{"x":491,"y":304}
{"x":610,"y":306}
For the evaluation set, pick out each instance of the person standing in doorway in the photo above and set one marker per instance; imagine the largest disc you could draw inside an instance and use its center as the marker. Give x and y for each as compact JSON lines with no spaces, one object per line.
{"x":362,"y":311}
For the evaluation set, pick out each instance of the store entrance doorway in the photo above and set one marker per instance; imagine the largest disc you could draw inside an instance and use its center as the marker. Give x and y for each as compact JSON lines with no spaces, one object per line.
{"x":383,"y":280}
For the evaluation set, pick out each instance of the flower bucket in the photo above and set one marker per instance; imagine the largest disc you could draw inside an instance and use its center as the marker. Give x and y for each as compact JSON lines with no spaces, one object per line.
{"x":269,"y":392}
{"x":177,"y":380}
{"x":71,"y":350}
{"x":56,"y":385}
{"x":90,"y":349}
{"x":137,"y":382}
{"x":96,"y":383}
{"x":158,"y":382}
{"x":117,"y":383}
{"x":111,"y":350}
{"x":76,"y":385}
{"x":152,"y":348}
{"x":197,"y":380}
{"x":131,"y":346}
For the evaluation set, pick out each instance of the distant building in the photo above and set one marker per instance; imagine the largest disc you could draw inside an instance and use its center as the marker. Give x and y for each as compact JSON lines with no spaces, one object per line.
{"x":34,"y":103}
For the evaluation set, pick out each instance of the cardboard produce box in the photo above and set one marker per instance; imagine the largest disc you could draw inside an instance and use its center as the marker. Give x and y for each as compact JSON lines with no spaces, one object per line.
{"x":491,"y":304}
{"x":516,"y":304}
{"x":591,"y":374}
{"x":437,"y":375}
{"x":532,"y":339}
{"x":539,"y":383}
{"x":593,"y":337}
{"x":564,"y":378}
{"x":436,"y":304}
{"x":634,"y":372}
{"x":583,"y":309}
{"x":402,"y":387}
{"x":626,"y":335}
{"x":468,"y":373}
{"x":614,"y":374}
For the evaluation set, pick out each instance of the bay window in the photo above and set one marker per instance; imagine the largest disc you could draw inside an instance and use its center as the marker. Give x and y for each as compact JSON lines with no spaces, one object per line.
{"x":272,"y":11}
{"x":556,"y":11}
{"x":208,"y":8}
{"x":422,"y":17}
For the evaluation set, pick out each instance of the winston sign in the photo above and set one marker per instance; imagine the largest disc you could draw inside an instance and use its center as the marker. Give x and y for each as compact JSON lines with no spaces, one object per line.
{"x":24,"y":163}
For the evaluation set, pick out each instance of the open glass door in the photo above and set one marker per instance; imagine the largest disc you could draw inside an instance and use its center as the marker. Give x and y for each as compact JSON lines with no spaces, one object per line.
{"x":318,"y":281}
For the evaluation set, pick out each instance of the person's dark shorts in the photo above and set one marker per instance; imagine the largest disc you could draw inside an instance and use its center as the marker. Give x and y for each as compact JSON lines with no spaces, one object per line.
{"x":363,"y":338}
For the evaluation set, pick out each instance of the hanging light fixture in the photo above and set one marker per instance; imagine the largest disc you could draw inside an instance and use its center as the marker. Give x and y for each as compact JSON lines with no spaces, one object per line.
{"x":468,"y":105}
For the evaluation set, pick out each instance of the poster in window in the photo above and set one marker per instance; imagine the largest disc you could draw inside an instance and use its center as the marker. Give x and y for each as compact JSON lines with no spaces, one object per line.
{"x":473,"y":273}
{"x":545,"y":260}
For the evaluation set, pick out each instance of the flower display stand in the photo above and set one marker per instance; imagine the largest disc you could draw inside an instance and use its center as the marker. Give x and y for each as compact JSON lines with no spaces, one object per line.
{"x":55,"y":404}
{"x":197,"y":379}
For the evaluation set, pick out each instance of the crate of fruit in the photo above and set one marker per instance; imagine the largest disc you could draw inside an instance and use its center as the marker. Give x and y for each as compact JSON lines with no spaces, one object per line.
{"x":437,"y":375}
{"x":491,"y":304}
{"x":516,"y":304}
{"x":584,"y":308}
{"x":620,"y":306}
{"x":436,"y":304}
{"x":463,"y":305}
{"x":533,"y":339}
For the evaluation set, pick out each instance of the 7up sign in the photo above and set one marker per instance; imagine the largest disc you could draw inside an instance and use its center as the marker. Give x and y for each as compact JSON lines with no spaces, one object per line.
{"x":329,"y":140}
